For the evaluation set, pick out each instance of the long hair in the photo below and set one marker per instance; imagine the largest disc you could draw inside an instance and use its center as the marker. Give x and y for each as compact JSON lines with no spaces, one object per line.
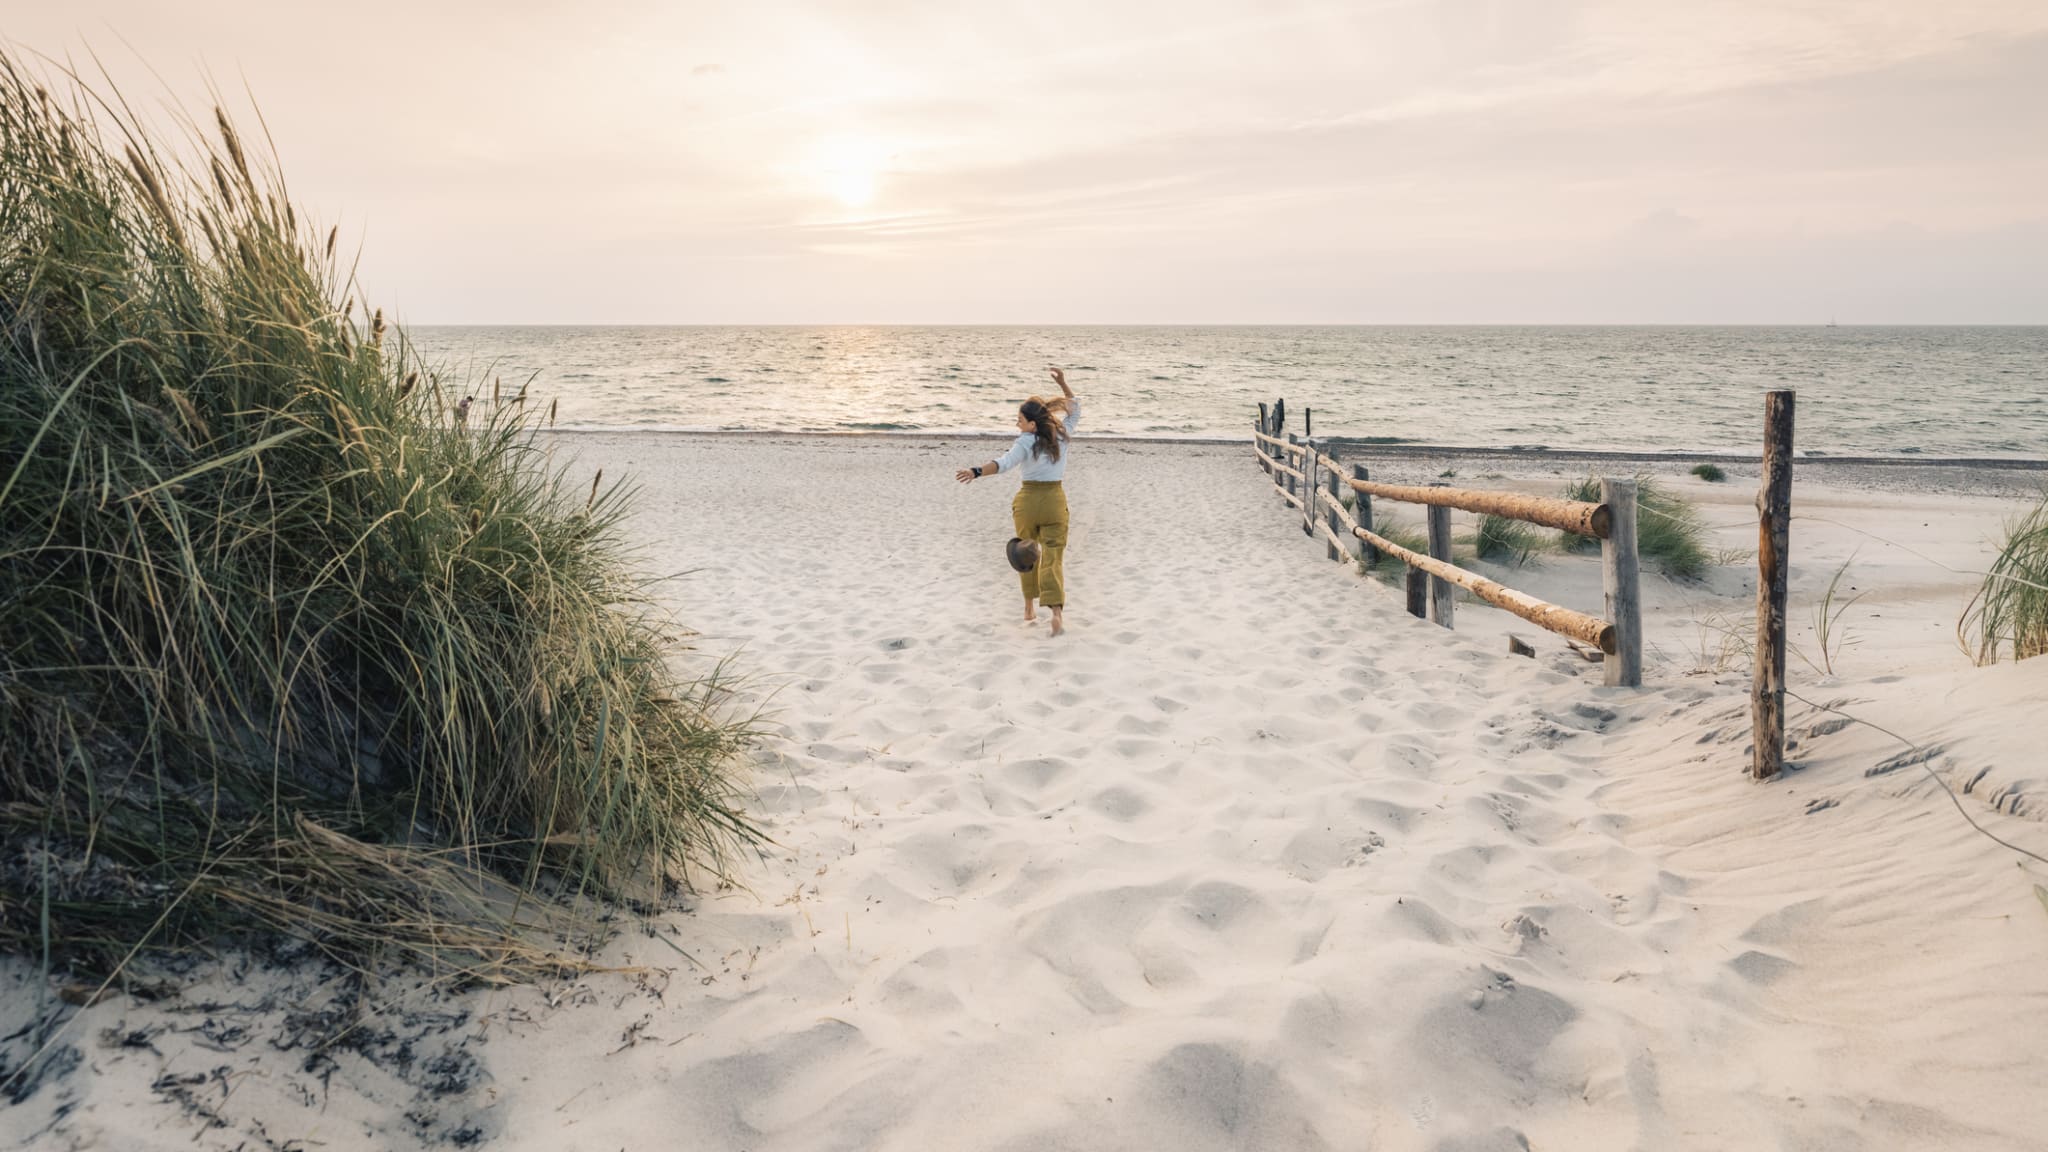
{"x":1048,"y":420}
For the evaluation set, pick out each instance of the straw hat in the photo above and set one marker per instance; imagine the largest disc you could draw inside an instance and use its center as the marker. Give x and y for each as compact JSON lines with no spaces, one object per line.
{"x":1023,"y":554}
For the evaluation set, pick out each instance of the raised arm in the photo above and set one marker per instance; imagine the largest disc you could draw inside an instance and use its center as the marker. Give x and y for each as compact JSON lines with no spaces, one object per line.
{"x":1072,"y":417}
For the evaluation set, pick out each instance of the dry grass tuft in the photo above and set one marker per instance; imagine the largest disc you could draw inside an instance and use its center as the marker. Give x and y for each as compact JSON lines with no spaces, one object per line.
{"x":1669,"y":530}
{"x":2009,"y":613}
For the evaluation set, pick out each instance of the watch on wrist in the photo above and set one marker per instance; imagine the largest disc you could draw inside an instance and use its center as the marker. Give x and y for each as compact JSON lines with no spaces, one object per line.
{"x":977,"y":471}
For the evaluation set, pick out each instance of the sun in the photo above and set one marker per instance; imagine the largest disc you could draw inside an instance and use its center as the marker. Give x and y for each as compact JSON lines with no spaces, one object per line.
{"x":853,"y":187}
{"x":848,"y":168}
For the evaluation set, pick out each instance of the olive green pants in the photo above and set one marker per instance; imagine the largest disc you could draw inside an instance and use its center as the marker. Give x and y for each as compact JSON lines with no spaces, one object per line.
{"x":1040,"y":511}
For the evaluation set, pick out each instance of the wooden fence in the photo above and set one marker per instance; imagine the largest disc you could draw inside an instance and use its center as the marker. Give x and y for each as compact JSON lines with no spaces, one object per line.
{"x":1307,"y":476}
{"x":1310,"y":478}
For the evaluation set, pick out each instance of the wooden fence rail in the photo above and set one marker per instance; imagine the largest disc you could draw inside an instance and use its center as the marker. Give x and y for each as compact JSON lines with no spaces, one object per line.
{"x":1612,"y":522}
{"x":1574,"y":516}
{"x":1585,"y":629}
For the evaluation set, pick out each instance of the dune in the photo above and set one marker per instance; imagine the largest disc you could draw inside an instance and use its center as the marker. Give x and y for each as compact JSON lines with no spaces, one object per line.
{"x":1250,"y":859}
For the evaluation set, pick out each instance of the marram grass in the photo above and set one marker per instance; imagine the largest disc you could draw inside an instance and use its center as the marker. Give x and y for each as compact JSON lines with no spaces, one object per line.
{"x":286,"y":644}
{"x":1391,"y":568}
{"x":1669,"y":531}
{"x":2009,"y":613}
{"x":1506,"y":540}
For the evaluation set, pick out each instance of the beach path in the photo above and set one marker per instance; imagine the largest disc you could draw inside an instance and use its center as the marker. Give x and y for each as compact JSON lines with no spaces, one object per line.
{"x":1250,"y":859}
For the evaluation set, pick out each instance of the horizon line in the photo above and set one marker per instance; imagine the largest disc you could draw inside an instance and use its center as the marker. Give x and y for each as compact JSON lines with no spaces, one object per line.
{"x":1209,"y":324}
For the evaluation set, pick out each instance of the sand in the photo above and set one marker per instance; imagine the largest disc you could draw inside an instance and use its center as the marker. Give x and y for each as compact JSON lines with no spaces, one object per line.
{"x":1249,"y":859}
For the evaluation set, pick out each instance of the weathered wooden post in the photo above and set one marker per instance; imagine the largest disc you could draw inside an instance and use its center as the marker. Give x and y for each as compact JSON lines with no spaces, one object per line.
{"x":1620,"y":576}
{"x":1441,"y":604}
{"x":1362,"y":509}
{"x":1293,"y":485}
{"x":1335,"y":483}
{"x":1274,"y":456}
{"x":1773,"y":556}
{"x":1308,"y":484}
{"x":1418,"y":593}
{"x":1265,"y":450}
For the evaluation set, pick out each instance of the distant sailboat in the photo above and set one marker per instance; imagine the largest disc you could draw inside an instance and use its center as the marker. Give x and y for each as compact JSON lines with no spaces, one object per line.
{"x":1832,"y":324}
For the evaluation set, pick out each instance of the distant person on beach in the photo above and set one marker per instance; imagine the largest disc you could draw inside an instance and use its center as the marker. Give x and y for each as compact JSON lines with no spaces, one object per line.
{"x":1040,"y":508}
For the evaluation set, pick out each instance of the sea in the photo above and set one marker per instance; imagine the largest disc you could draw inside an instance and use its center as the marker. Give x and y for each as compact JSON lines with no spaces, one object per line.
{"x":1970,"y":392}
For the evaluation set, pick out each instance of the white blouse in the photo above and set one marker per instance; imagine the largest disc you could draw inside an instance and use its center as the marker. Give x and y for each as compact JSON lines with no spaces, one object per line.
{"x":1037,"y":467}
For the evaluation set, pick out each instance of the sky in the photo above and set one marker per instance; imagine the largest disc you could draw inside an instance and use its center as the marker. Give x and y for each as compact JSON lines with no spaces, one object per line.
{"x":1373,"y":162}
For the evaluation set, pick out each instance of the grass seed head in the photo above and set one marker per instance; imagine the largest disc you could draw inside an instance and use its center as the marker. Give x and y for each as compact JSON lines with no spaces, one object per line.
{"x":220,"y":182}
{"x":234,"y":145}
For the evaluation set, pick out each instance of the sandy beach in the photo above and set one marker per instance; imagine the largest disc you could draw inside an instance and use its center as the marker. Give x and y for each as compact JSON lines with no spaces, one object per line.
{"x":1250,"y":859}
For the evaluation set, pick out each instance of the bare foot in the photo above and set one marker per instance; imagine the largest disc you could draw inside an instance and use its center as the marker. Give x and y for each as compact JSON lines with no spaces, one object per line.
{"x":1058,"y":626}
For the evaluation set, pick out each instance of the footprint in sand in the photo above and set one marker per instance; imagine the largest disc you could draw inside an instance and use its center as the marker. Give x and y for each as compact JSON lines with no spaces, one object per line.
{"x":1036,"y":773}
{"x":1760,"y":967}
{"x":1120,"y":804}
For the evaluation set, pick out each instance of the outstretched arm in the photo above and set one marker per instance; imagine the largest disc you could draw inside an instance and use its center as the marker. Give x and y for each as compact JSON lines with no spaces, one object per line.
{"x":967,"y":475}
{"x":1060,"y":378}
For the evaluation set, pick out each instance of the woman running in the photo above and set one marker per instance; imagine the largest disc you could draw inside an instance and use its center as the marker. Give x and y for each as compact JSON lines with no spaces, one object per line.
{"x":1040,"y":509}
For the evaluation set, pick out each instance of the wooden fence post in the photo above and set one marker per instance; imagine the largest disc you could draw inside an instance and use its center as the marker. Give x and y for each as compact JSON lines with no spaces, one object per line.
{"x":1362,"y":509}
{"x":1265,"y":426}
{"x":1292,"y":485}
{"x":1274,"y":455}
{"x":1335,"y":484}
{"x":1773,"y":548}
{"x":1308,"y":485}
{"x":1620,"y":576}
{"x":1440,"y":603}
{"x":1418,"y":593}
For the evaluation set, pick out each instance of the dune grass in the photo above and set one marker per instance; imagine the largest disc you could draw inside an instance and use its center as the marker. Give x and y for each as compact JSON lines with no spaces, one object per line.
{"x":286,"y":644}
{"x":1392,"y":569}
{"x":1506,"y":540}
{"x":1711,"y":473}
{"x":2009,"y":612}
{"x":1669,"y":531}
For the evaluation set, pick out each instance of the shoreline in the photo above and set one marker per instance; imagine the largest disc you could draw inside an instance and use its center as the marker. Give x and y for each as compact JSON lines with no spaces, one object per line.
{"x":1533,"y":468}
{"x":1351,"y":444}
